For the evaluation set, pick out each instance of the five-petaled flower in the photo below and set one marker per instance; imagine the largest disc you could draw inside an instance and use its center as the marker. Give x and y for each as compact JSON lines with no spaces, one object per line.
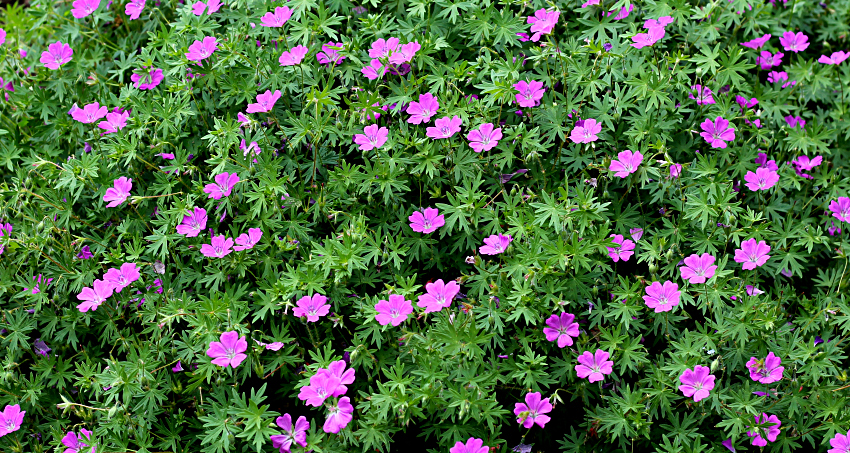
{"x":78,"y":444}
{"x":83,"y":8}
{"x":840,"y":443}
{"x":542,"y":23}
{"x":395,"y":311}
{"x":229,"y":351}
{"x":594,"y":366}
{"x":224,"y":183}
{"x":530,"y":93}
{"x":293,"y":56}
{"x":533,"y":411}
{"x":698,"y":268}
{"x":697,"y":383}
{"x":761,"y":179}
{"x":373,"y":137}
{"x":717,"y":132}
{"x":757,"y":43}
{"x":561,"y":329}
{"x":794,"y":42}
{"x":210,"y":7}
{"x":495,"y":244}
{"x":219,"y":247}
{"x":752,"y":254}
{"x":627,"y":164}
{"x":472,"y":445}
{"x":767,"y":370}
{"x":840,"y":209}
{"x":118,"y":193}
{"x":484,"y":138}
{"x":201,"y":50}
{"x":134,"y":8}
{"x":703,"y":95}
{"x":761,"y":436}
{"x":247,"y":241}
{"x":426,"y":221}
{"x":296,"y":434}
{"x":585,"y":131}
{"x":115,"y":121}
{"x":265,"y":102}
{"x":279,"y":17}
{"x":439,"y":295}
{"x":330,"y":53}
{"x":56,"y":55}
{"x":422,"y":111}
{"x":11,"y":419}
{"x":322,"y":386}
{"x":312,"y":307}
{"x":662,"y":297}
{"x":624,"y":249}
{"x":193,"y":223}
{"x":122,"y":277}
{"x":90,"y":113}
{"x":148,"y":80}
{"x":444,"y":127}
{"x":339,"y":416}
{"x":96,"y":295}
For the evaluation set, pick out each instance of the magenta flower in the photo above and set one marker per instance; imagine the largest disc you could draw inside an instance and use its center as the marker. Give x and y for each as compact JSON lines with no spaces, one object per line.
{"x":426,"y":222}
{"x":767,"y":370}
{"x":35,"y":288}
{"x":210,"y":6}
{"x":293,"y":56}
{"x":92,"y":298}
{"x":761,"y":161}
{"x":115,"y":121}
{"x":662,"y":297}
{"x":561,"y":328}
{"x":703,"y":95}
{"x":405,"y":54}
{"x":840,"y":209}
{"x":764,"y":435}
{"x":718,"y":132}
{"x":794,"y":42}
{"x":224,"y":183}
{"x":697,"y":383}
{"x":744,"y":103}
{"x":586,"y":132}
{"x":265,"y":102}
{"x":5,"y":230}
{"x":762,"y":179}
{"x":3,"y":40}
{"x":177,"y":368}
{"x":440,"y":295}
{"x":134,"y":8}
{"x":422,"y":111}
{"x":752,"y":254}
{"x":472,"y":445}
{"x":652,"y":36}
{"x":220,"y":247}
{"x":253,"y":148}
{"x":90,"y":113}
{"x":329,"y":54}
{"x":393,"y":312}
{"x":374,"y":70}
{"x":278,"y":18}
{"x":753,"y":291}
{"x":542,"y":23}
{"x":794,"y":121}
{"x":247,"y":241}
{"x":85,"y":253}
{"x":532,"y":411}
{"x":444,"y":127}
{"x":75,"y":443}
{"x":338,"y":370}
{"x":56,"y":55}
{"x":11,"y":419}
{"x":728,"y":444}
{"x":122,"y":277}
{"x":623,"y":251}
{"x":594,"y":366}
{"x":484,"y":138}
{"x":118,"y":193}
{"x":675,"y":171}
{"x":840,"y":443}
{"x":229,"y":351}
{"x":339,"y":416}
{"x":382,"y":48}
{"x":757,"y":43}
{"x":495,"y":244}
{"x":835,"y":58}
{"x":148,"y":81}
{"x":83,"y":8}
{"x":193,"y":223}
{"x":201,"y":50}
{"x":622,"y":13}
{"x":804,"y":163}
{"x":774,"y":76}
{"x":698,"y":268}
{"x":322,"y":386}
{"x":768,"y":60}
{"x":530,"y":93}
{"x":243,"y":119}
{"x":291,"y":435}
{"x":628,"y":163}
{"x":372,"y":137}
{"x":636,"y":233}
{"x":312,"y":307}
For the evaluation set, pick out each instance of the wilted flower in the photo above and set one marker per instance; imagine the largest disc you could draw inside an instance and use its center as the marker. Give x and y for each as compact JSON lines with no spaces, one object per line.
{"x":675,"y":171}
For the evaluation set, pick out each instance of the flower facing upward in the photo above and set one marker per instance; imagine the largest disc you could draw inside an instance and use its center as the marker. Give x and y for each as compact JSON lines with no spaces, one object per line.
{"x":703,"y":95}
{"x":147,"y":81}
{"x":561,"y":329}
{"x":312,"y":307}
{"x":118,"y":193}
{"x":224,"y":183}
{"x":56,"y":55}
{"x":405,"y":54}
{"x":594,"y":366}
{"x":247,"y":241}
{"x":764,"y":435}
{"x":210,"y":7}
{"x":586,"y":132}
{"x":530,"y":93}
{"x":321,"y":387}
{"x":219,"y":247}
{"x":338,"y":370}
{"x":193,"y":223}
{"x":542,"y":23}
{"x":330,"y":53}
{"x":265,"y":102}
{"x":77,"y":444}
{"x":93,"y":297}
{"x":768,"y":60}
{"x":761,"y":179}
{"x":439,"y":295}
{"x":757,"y":43}
{"x":201,"y":50}
{"x":291,"y":434}
{"x":293,"y":56}
{"x":655,"y":31}
{"x":395,"y":311}
{"x":804,"y":163}
{"x":339,"y":416}
{"x":426,"y":222}
{"x":11,"y":419}
{"x":627,"y":164}
{"x":624,"y":249}
{"x":495,"y":244}
{"x":134,"y":8}
{"x":122,"y":277}
{"x":835,"y":58}
{"x":472,"y":445}
{"x":717,"y":132}
{"x":382,"y":48}
{"x":767,"y":370}
{"x":115,"y":121}
{"x":422,"y":111}
{"x":794,"y":42}
{"x":90,"y":113}
{"x":444,"y":127}
{"x":840,"y":443}
{"x":697,"y":382}
{"x":372,"y":137}
{"x":533,"y":411}
{"x":229,"y":351}
{"x":840,"y":209}
{"x":83,"y":8}
{"x":484,"y":138}
{"x":662,"y":297}
{"x":752,"y":254}
{"x":279,"y":17}
{"x":698,"y":268}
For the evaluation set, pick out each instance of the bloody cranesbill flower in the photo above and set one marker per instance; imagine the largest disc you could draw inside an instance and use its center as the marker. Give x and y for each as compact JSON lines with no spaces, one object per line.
{"x":339,"y":416}
{"x":322,"y":386}
{"x":586,"y":131}
{"x":210,"y":6}
{"x":762,"y":161}
{"x":495,"y":244}
{"x":201,"y":50}
{"x":229,"y":351}
{"x":804,"y":163}
{"x":653,"y":35}
{"x":768,"y":60}
{"x":253,"y":148}
{"x":697,"y":382}
{"x":757,"y":43}
{"x":134,"y":8}
{"x":764,"y":435}
{"x":594,"y":366}
{"x":90,"y":113}
{"x":444,"y":127}
{"x":636,"y":233}
{"x":148,"y":81}
{"x":752,"y":254}
{"x":767,"y":370}
{"x":439,"y":295}
{"x":265,"y":102}
{"x":835,"y":58}
{"x":77,"y":444}
{"x":395,"y":311}
{"x":224,"y":183}
{"x":115,"y":121}
{"x":177,"y":368}
{"x":675,"y":171}
{"x":542,"y":23}
{"x":93,"y":297}
{"x":703,"y":95}
{"x":753,"y":291}
{"x":118,"y":193}
{"x":293,"y":56}
{"x":840,"y":443}
{"x":628,"y":163}
{"x":717,"y":132}
{"x":374,"y":70}
{"x":422,"y":111}
{"x":794,"y":121}
{"x":662,"y":297}
{"x":338,"y":370}
{"x":622,"y":13}
{"x":533,"y":411}
{"x":247,"y":241}
{"x":744,"y":103}
{"x":373,"y":137}
{"x":382,"y":48}
{"x":561,"y":328}
{"x":312,"y":307}
{"x":330,"y":53}
{"x":624,"y":249}
{"x":219,"y":247}
{"x":761,"y":179}
{"x":698,"y":268}
{"x":291,"y":434}
{"x":841,"y":209}
{"x":85,"y":253}
{"x":56,"y":55}
{"x":530,"y":93}
{"x":40,"y":347}
{"x":794,"y":42}
{"x":83,"y":8}
{"x":122,"y":277}
{"x":193,"y":223}
{"x":35,"y":288}
{"x":11,"y":419}
{"x":484,"y":138}
{"x":278,"y":18}
{"x":472,"y":445}
{"x":426,"y":222}
{"x":405,"y":54}
{"x":3,"y":40}
{"x":728,"y":444}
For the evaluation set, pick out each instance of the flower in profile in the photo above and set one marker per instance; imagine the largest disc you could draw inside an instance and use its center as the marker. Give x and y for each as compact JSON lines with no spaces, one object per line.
{"x":293,"y":56}
{"x":382,"y":48}
{"x":40,"y":347}
{"x":703,"y":95}
{"x":177,"y":368}
{"x":201,"y":50}
{"x":761,"y":161}
{"x":134,"y":8}
{"x":77,"y":444}
{"x":757,"y":43}
{"x":728,"y":444}
{"x":495,"y":244}
{"x":426,"y":222}
{"x":5,"y":230}
{"x":224,"y":183}
{"x":93,"y":297}
{"x":768,"y":60}
{"x":229,"y":351}
{"x":338,"y":370}
{"x":122,"y":277}
{"x":11,"y":419}
{"x":561,"y":328}
{"x":219,"y":247}
{"x":373,"y":137}
{"x":533,"y":411}
{"x":833,"y":228}
{"x":622,"y":13}
{"x":840,"y":443}
{"x":542,"y":23}
{"x":422,"y":111}
{"x":395,"y":311}
{"x":764,"y":435}
{"x":330,"y":53}
{"x":697,"y":383}
{"x":628,"y":163}
{"x":675,"y":171}
{"x":662,"y":297}
{"x":83,"y":8}
{"x":374,"y":70}
{"x":745,"y":103}
{"x":835,"y":58}
{"x":291,"y":434}
{"x":405,"y":54}
{"x":85,"y":253}
{"x":210,"y":6}
{"x":444,"y":127}
{"x":472,"y":445}
{"x":794,"y":121}
{"x":840,"y":209}
{"x":484,"y":138}
{"x":253,"y":148}
{"x":439,"y":295}
{"x":586,"y":132}
{"x":717,"y":132}
{"x":115,"y":121}
{"x":767,"y":370}
{"x":339,"y":416}
{"x":530,"y":93}
{"x":322,"y":386}
{"x":794,"y":42}
{"x":193,"y":223}
{"x":636,"y":233}
{"x":35,"y":288}
{"x":804,"y":163}
{"x":118,"y":193}
{"x":624,"y":249}
{"x":56,"y":55}
{"x":247,"y":241}
{"x":279,"y":17}
{"x":90,"y":113}
{"x":594,"y":366}
{"x":312,"y":307}
{"x":752,"y":254}
{"x":265,"y":102}
{"x":698,"y":268}
{"x":3,"y":40}
{"x":147,"y":81}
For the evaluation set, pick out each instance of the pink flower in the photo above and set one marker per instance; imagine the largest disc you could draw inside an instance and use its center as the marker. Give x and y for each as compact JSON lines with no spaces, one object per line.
{"x":115,"y":121}
{"x":835,"y":58}
{"x":122,"y":277}
{"x":840,"y":443}
{"x":662,"y":297}
{"x":199,"y":7}
{"x":444,"y":127}
{"x":5,"y":230}
{"x":118,"y":193}
{"x":542,"y":23}
{"x":224,"y":183}
{"x":767,"y":370}
{"x":265,"y":102}
{"x":147,"y":81}
{"x":703,"y":95}
{"x":636,"y":233}
{"x":35,"y":288}
{"x":90,"y":113}
{"x":698,"y":268}
{"x":628,"y":163}
{"x":586,"y":132}
{"x":472,"y":445}
{"x":339,"y":416}
{"x":247,"y":241}
{"x":329,"y":54}
{"x":134,"y":8}
{"x":422,"y":111}
{"x":219,"y":247}
{"x":590,"y":3}
{"x":803,"y":163}
{"x":290,"y":436}
{"x":697,"y":382}
{"x":752,"y":254}
{"x":495,"y":244}
{"x":561,"y":328}
{"x":312,"y":307}
{"x":774,"y":76}
{"x":393,"y":312}
{"x":533,"y":411}
{"x":764,"y":435}
{"x":83,"y":8}
{"x":75,"y":443}
{"x":768,"y":60}
{"x":440,"y":295}
{"x":337,"y":369}
{"x":11,"y":419}
{"x":278,"y":18}
{"x":675,"y":171}
{"x":374,"y":70}
{"x":3,"y":40}
{"x":372,"y":138}
{"x":622,"y":13}
{"x":293,"y":56}
{"x":794,"y":42}
{"x":382,"y":48}
{"x":530,"y":93}
{"x":56,"y":55}
{"x":793,"y":121}
{"x":623,"y":251}
{"x":322,"y":386}
{"x":229,"y":351}
{"x":243,"y":119}
{"x":762,"y":179}
{"x":757,"y":43}
{"x":253,"y":148}
{"x":193,"y":223}
{"x":594,"y":366}
{"x":426,"y":222}
{"x":92,"y":298}
{"x":840,"y":209}
{"x":744,"y":103}
{"x":201,"y":50}
{"x":405,"y":54}
{"x":484,"y":138}
{"x":653,"y":35}
{"x":753,"y":291}
{"x":718,"y":132}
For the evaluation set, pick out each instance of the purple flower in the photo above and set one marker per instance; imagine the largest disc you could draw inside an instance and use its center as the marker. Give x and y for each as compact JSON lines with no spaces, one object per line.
{"x":278,"y":18}
{"x":717,"y":132}
{"x":840,"y":209}
{"x":586,"y":133}
{"x":382,"y":48}
{"x":757,"y":43}
{"x":761,"y":161}
{"x":484,"y":138}
{"x":247,"y":241}
{"x":426,"y":222}
{"x":561,"y":328}
{"x":372,"y":137}
{"x":201,"y":50}
{"x":329,"y":54}
{"x":75,"y":443}
{"x":542,"y":23}
{"x":134,"y":8}
{"x":322,"y":386}
{"x":835,"y":58}
{"x":530,"y":93}
{"x":761,"y":179}
{"x":794,"y":42}
{"x":177,"y":368}
{"x":118,"y":193}
{"x":444,"y":127}
{"x":265,"y":102}
{"x":85,"y":252}
{"x":594,"y":366}
{"x":439,"y":295}
{"x":623,"y":251}
{"x":622,"y":13}
{"x":840,"y":443}
{"x":41,"y":347}
{"x":219,"y":247}
{"x":752,"y":254}
{"x":753,"y":291}
{"x":56,"y":55}
{"x":422,"y":111}
{"x":374,"y":70}
{"x":766,"y":370}
{"x":193,"y":223}
{"x":533,"y":411}
{"x":122,"y":277}
{"x":768,"y":60}
{"x":627,"y":164}
{"x":703,"y":95}
{"x":92,"y":298}
{"x":339,"y":416}
{"x":675,"y":171}
{"x":210,"y":6}
{"x":728,"y":444}
{"x":393,"y":312}
{"x":293,"y":56}
{"x":83,"y":8}
{"x":744,"y":103}
{"x":405,"y":54}
{"x":794,"y":121}
{"x":337,"y":369}
{"x":803,"y":163}
{"x":3,"y":40}
{"x":698,"y":269}
{"x":5,"y":230}
{"x":764,"y":435}
{"x":312,"y":307}
{"x":90,"y":113}
{"x":147,"y":81}
{"x":472,"y":445}
{"x":636,"y":233}
{"x":230,"y":351}
{"x":291,"y":434}
{"x":224,"y":183}
{"x":697,"y":382}
{"x":115,"y":121}
{"x":495,"y":244}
